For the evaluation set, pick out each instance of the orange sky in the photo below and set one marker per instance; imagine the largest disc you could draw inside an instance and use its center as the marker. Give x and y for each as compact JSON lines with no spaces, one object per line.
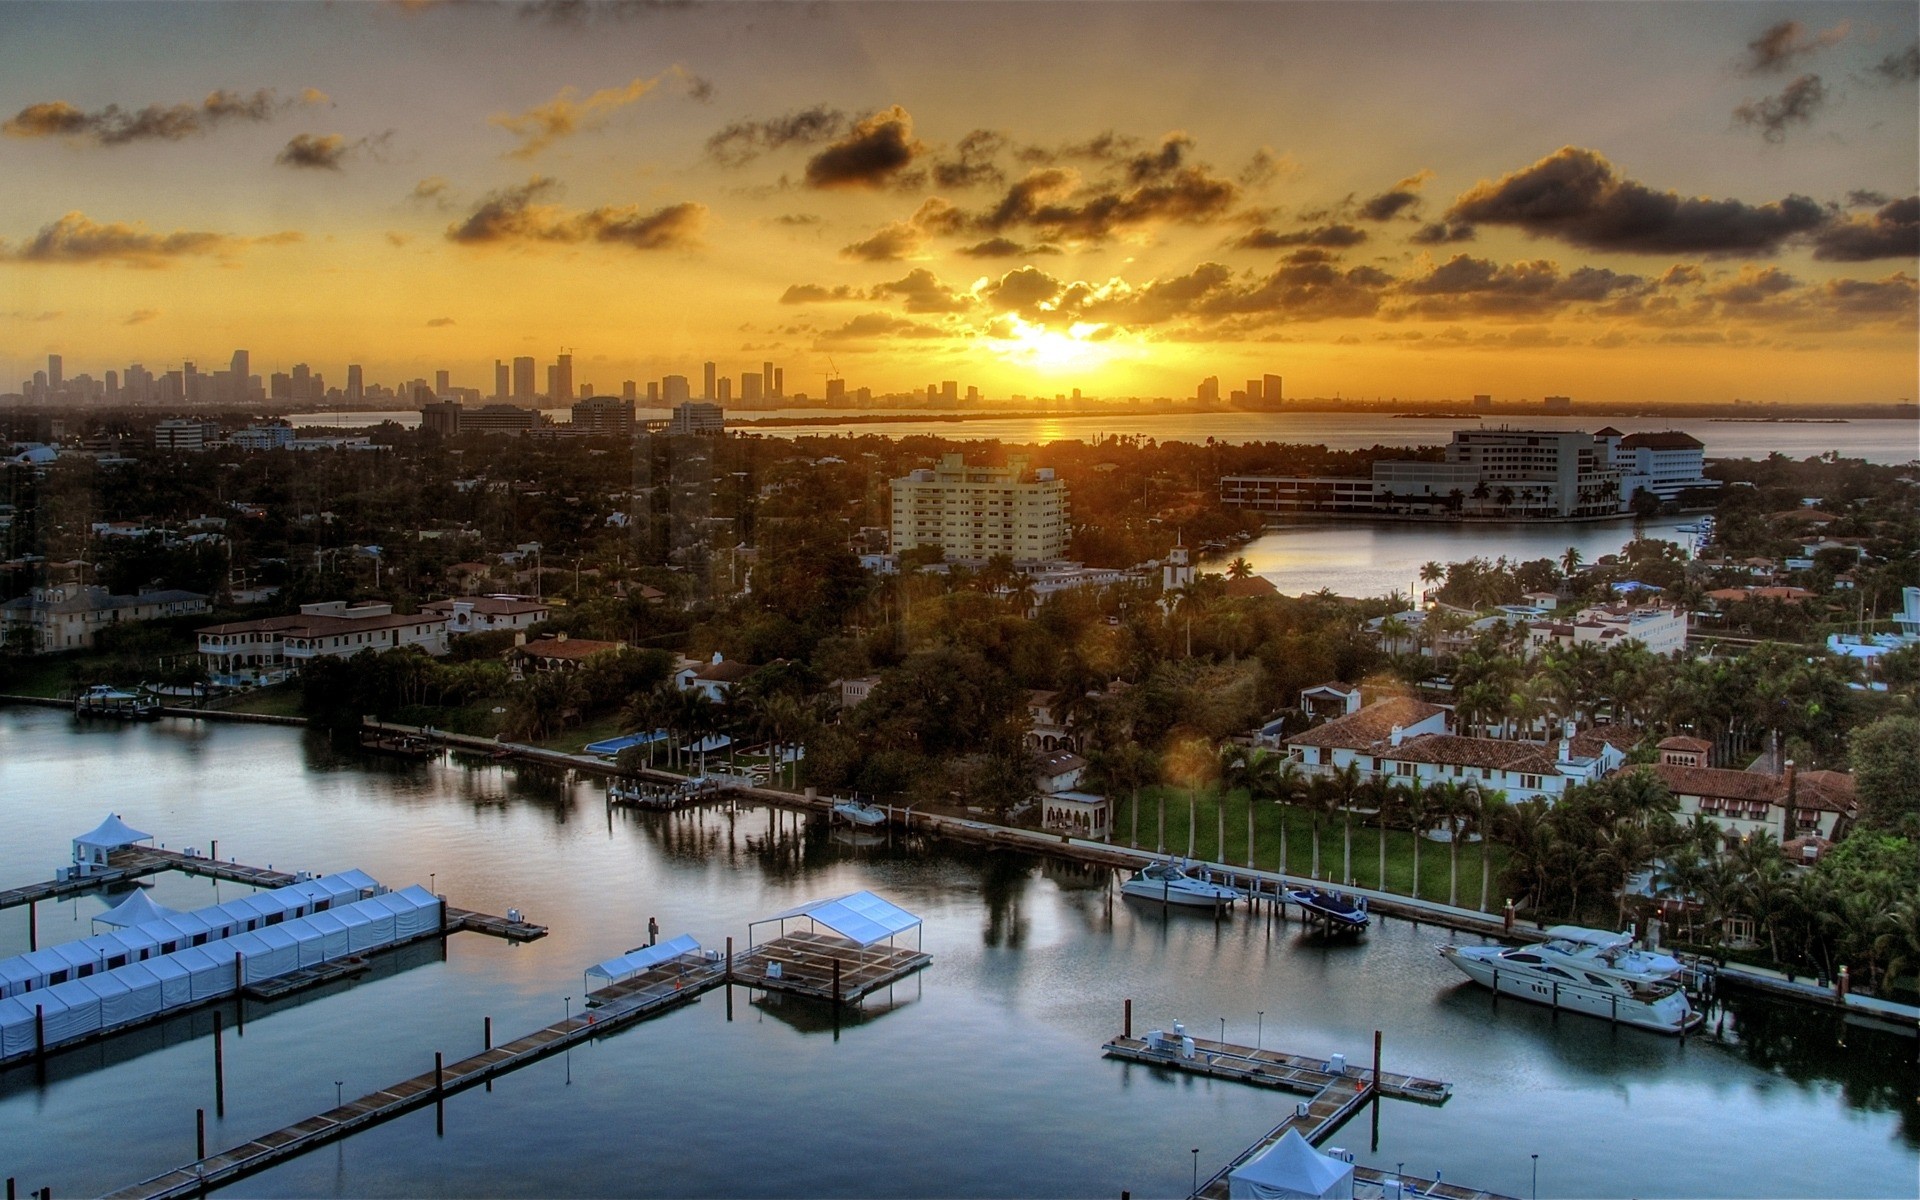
{"x":1616,"y":202}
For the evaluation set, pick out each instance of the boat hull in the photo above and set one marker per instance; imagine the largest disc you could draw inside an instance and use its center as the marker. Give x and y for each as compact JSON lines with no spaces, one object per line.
{"x":1670,"y":1014}
{"x":1158,"y":894}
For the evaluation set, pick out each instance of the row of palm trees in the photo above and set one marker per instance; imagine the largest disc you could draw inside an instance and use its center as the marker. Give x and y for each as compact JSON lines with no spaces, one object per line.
{"x":781,"y":719}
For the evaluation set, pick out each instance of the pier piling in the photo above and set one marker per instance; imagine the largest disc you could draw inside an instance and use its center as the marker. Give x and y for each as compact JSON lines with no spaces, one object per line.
{"x":1126,"y":1019}
{"x":219,"y":1070}
{"x":33,"y":925}
{"x":487,"y":1032}
{"x":199,"y":1133}
{"x":40,"y":1032}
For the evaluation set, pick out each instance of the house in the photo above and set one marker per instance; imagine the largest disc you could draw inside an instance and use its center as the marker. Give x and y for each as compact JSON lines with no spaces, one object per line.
{"x":854,"y":692}
{"x":1660,"y":629}
{"x":557,"y":653}
{"x":714,"y":679}
{"x":265,"y":650}
{"x":1790,"y":804}
{"x":485,"y":614}
{"x":1332,"y":699}
{"x":1046,"y":728}
{"x":60,"y":617}
{"x":1060,"y":771}
{"x":1078,"y":814}
{"x":1253,"y":587}
{"x":1331,"y":746}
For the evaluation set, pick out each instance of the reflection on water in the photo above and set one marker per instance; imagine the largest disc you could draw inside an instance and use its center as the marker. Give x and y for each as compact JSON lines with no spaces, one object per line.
{"x":979,"y":1076}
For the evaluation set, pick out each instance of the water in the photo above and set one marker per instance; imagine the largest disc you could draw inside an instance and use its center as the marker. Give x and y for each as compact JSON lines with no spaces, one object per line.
{"x":979,"y":1077}
{"x":1880,"y":441}
{"x":1372,"y":558}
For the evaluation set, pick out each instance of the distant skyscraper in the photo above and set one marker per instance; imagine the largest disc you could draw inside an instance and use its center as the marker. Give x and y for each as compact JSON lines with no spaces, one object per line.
{"x":1209,"y":392}
{"x":750,"y":388}
{"x":673,"y":390}
{"x":442,"y":382}
{"x":1559,"y":404}
{"x":707,"y":390}
{"x":779,"y":383}
{"x":523,"y":378}
{"x":500,"y":380}
{"x":1483,"y":400}
{"x":629,"y":390}
{"x":836,"y":389}
{"x":356,"y":382}
{"x":53,"y":371}
{"x":724,"y":387}
{"x":1270,"y":384}
{"x":766,"y":380}
{"x":973,"y":396}
{"x":950,"y":392}
{"x":242,"y":369}
{"x":653,"y":394}
{"x":563,"y":380}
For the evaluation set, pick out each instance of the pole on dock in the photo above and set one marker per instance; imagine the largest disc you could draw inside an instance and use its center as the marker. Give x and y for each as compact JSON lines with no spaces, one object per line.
{"x":487,"y":1033}
{"x":653,"y":930}
{"x":1507,"y":917}
{"x":1376,"y":1061}
{"x":10,"y":1195}
{"x":40,"y":1031}
{"x":729,"y":960}
{"x":443,"y":916}
{"x":439,"y":1081}
{"x":836,"y":985}
{"x":199,"y":1134}
{"x":219,"y":1070}
{"x":1126,"y":1021}
{"x":213,"y":849}
{"x":33,"y":925}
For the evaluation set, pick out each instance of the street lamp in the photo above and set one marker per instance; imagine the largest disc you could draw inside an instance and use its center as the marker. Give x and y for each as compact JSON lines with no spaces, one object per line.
{"x":1223,"y":1031}
{"x":568,"y":1007}
{"x":337,"y":1101}
{"x":1259,"y":1029}
{"x":1196,"y":1169}
{"x":431,"y":886}
{"x":1536,"y":1177}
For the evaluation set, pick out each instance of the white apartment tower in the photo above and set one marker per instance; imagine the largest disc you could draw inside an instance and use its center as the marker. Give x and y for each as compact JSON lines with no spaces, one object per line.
{"x":974,"y":512}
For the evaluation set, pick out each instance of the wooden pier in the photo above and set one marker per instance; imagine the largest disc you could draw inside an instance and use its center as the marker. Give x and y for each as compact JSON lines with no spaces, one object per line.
{"x":824,"y":967}
{"x":306,"y":977}
{"x":666,"y":986}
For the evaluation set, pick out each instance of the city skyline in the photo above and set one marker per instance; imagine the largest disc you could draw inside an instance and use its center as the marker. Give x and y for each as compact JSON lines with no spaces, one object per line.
{"x":1669,"y":203}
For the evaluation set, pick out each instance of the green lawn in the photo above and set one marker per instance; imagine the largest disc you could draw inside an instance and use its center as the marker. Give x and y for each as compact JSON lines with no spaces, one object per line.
{"x":1268,"y":820}
{"x":281,"y":700}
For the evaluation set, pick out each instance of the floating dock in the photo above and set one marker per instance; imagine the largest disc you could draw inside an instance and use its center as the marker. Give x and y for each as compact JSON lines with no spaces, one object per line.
{"x":826,"y":968}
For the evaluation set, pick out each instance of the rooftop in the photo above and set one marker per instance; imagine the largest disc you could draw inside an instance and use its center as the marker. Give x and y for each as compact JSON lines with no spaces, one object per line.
{"x":1374,"y":723}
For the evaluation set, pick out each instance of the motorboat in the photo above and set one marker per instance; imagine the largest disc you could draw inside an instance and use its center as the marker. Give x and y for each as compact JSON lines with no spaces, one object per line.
{"x":1591,"y":971}
{"x":397,"y":745}
{"x":101,"y":700}
{"x":1170,"y":882}
{"x":859,"y":814}
{"x":631,"y":793}
{"x":1337,"y":910}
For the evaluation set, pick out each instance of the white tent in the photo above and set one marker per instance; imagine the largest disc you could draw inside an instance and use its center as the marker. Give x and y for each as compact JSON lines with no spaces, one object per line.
{"x":1291,"y":1169}
{"x":416,"y":911}
{"x":635,"y":961}
{"x":175,"y":979}
{"x":91,"y":849}
{"x":862,"y":917}
{"x":16,"y":1028}
{"x":332,"y":934}
{"x":134,"y":910}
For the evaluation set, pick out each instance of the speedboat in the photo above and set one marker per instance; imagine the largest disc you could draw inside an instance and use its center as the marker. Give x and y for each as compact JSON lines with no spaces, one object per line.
{"x":1338,"y":911}
{"x":101,"y":700}
{"x":1590,"y":971}
{"x":1169,"y":883}
{"x":864,"y":816}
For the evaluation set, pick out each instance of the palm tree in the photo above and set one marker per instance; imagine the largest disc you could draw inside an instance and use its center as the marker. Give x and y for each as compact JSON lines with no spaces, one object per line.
{"x":1240,"y":568}
{"x":1346,"y":785}
{"x":1391,"y":799}
{"x":1418,"y":807}
{"x":1570,"y":561}
{"x":1432,"y":573}
{"x":1459,"y":802}
{"x":1192,"y":762}
{"x":1486,"y":817}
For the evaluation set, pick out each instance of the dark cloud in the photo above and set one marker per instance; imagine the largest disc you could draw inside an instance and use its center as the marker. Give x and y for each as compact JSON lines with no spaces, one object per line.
{"x":1054,"y":201}
{"x":1795,"y":105}
{"x":574,"y":13}
{"x":439,"y":322}
{"x":744,"y":141}
{"x":515,"y":214}
{"x":1785,"y":41}
{"x":1440,"y":233}
{"x":1465,"y":286}
{"x":813,"y":293}
{"x":115,"y":126}
{"x":999,"y":247}
{"x":870,"y":154}
{"x":972,"y":162}
{"x":1902,"y":66}
{"x":140,"y":316}
{"x":77,"y":238}
{"x":1320,"y":235}
{"x":1863,"y":198}
{"x":433,"y":190}
{"x":1107,"y":147}
{"x":1401,"y":198}
{"x":1577,"y":196}
{"x":1022,"y":291}
{"x":1892,"y":231}
{"x":901,"y":239}
{"x":1894,"y":296}
{"x":1754,"y":285}
{"x":923,"y":293}
{"x":1160,"y":162}
{"x":797,"y":220}
{"x":869,"y":326}
{"x":317,"y":151}
{"x":1264,"y":167}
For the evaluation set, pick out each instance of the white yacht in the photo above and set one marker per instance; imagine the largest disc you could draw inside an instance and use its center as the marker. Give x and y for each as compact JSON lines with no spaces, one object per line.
{"x":1590,"y":971}
{"x":858,"y":814}
{"x":1169,"y":883}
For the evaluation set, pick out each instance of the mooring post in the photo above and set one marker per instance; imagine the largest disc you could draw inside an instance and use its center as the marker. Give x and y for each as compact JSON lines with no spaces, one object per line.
{"x":653,"y":930}
{"x":199,"y":1134}
{"x":1507,"y":917}
{"x":729,"y":960}
{"x":836,"y":984}
{"x":488,"y":1033}
{"x":443,"y":916}
{"x":10,"y":1188}
{"x":213,"y":849}
{"x":1376,"y":1062}
{"x":219,"y":1069}
{"x":40,"y":1031}
{"x":1126,"y":1020}
{"x":33,"y":925}
{"x":439,"y":1084}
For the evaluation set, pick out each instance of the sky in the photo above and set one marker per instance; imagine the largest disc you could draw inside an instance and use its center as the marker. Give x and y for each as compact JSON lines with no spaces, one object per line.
{"x":1659,"y":202}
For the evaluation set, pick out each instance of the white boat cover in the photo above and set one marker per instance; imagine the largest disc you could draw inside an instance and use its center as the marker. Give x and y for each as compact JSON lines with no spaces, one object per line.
{"x":1290,"y":1169}
{"x":112,"y":834}
{"x":365,"y":930}
{"x":632,"y":963}
{"x":16,"y":1028}
{"x":334,"y":942}
{"x":862,"y":918}
{"x":1588,"y":937}
{"x":144,"y":996}
{"x":72,"y":1011}
{"x":176,"y":981}
{"x":416,"y":911}
{"x":134,"y":910}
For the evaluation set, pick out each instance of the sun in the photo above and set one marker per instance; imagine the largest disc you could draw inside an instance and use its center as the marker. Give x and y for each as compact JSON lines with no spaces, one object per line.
{"x":1077,"y":350}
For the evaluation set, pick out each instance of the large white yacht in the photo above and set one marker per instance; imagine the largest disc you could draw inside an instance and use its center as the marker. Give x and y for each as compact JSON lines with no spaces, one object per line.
{"x":1169,"y":883}
{"x":1590,"y":971}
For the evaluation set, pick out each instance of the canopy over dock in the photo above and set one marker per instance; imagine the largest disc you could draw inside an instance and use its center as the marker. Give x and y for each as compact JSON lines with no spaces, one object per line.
{"x":627,"y":965}
{"x":91,"y":849}
{"x":845,"y":952}
{"x":1290,"y":1169}
{"x":135,"y":910}
{"x":861,"y":918}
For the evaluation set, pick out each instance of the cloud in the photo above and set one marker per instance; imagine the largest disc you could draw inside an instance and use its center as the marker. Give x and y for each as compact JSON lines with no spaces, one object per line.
{"x":1902,"y":66}
{"x":1000,"y":247}
{"x":1054,"y":201}
{"x":923,"y":293}
{"x":1162,"y":161}
{"x":1397,"y":199}
{"x":972,"y":161}
{"x":78,"y":238}
{"x":869,"y":326}
{"x":1785,"y":41}
{"x":1795,"y":105}
{"x":813,"y":293}
{"x":1335,"y":235}
{"x":1893,"y":231}
{"x":1440,"y":233}
{"x":569,"y":112}
{"x":903,"y":239}
{"x":115,"y":126}
{"x":743,"y":141}
{"x":1754,"y":285}
{"x":1468,"y":286}
{"x":439,"y":322}
{"x":326,"y":151}
{"x":433,"y":190}
{"x":1577,"y":196}
{"x":140,"y":316}
{"x":1266,"y":166}
{"x":515,"y":214}
{"x":1106,"y":147}
{"x":869,"y":155}
{"x":797,"y":220}
{"x":1897,"y":296}
{"x":574,"y":13}
{"x":23,"y":315}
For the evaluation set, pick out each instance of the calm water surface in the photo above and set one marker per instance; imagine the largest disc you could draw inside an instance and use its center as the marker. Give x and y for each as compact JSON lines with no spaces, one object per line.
{"x":979,"y":1077}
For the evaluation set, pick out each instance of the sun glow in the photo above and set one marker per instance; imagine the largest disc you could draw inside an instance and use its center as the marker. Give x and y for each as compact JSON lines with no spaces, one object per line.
{"x":1077,"y":350}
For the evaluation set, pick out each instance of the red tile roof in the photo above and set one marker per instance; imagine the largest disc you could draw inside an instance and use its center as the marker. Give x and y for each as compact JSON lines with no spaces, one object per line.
{"x":569,"y":649}
{"x":1374,"y":723}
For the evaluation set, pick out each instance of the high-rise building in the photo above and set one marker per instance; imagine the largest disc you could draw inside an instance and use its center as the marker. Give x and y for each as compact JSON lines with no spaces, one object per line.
{"x":440,"y":417}
{"x":725,"y":390}
{"x":54,"y":368}
{"x":978,"y":512}
{"x":498,"y":418}
{"x":604,"y":416}
{"x":500,"y":380}
{"x":766,"y":380}
{"x":673,"y":390}
{"x":242,"y":368}
{"x":750,"y":388}
{"x":707,"y":391}
{"x":693,"y":417}
{"x":629,"y":390}
{"x":562,"y":391}
{"x":653,"y":394}
{"x":950,"y":393}
{"x":356,"y":382}
{"x":973,"y":396}
{"x":523,"y":378}
{"x":442,"y":382}
{"x":1270,"y":385}
{"x":779,"y":383}
{"x":1558,"y":404}
{"x":836,"y":389}
{"x":302,"y":381}
{"x":1483,"y":401}
{"x":1209,"y":391}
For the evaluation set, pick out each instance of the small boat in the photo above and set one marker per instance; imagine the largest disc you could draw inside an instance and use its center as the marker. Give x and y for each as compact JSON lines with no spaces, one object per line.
{"x":1335,"y":909}
{"x":397,"y":745}
{"x":100,"y":700}
{"x":1169,"y":883}
{"x":631,"y":793}
{"x":1590,"y":971}
{"x":861,"y":815}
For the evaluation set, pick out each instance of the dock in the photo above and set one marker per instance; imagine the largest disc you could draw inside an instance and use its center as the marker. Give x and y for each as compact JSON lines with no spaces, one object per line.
{"x":666,"y":986}
{"x":812,"y":964}
{"x":306,"y":977}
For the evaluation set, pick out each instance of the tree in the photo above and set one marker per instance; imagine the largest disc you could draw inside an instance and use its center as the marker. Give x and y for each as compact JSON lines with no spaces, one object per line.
{"x":1570,"y":560}
{"x":1191,"y":763}
{"x":1240,"y":568}
{"x":1418,"y":808}
{"x":1486,"y":817}
{"x":1347,"y":785}
{"x":1886,"y":772}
